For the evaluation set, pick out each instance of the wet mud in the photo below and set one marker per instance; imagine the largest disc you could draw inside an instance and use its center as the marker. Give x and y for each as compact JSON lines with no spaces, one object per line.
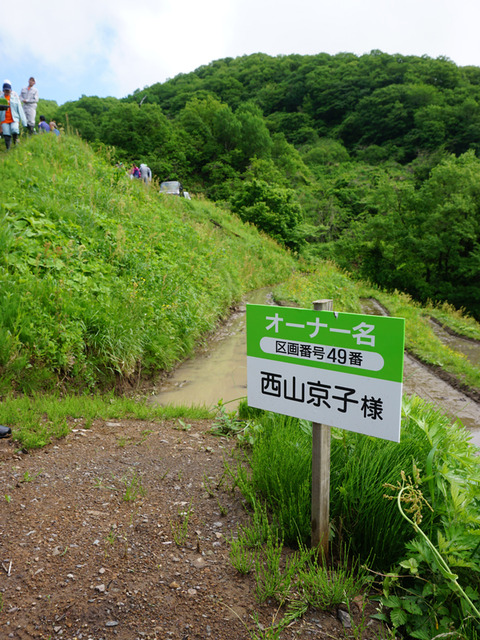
{"x":469,"y":348}
{"x":427,"y":383}
{"x":220,"y":372}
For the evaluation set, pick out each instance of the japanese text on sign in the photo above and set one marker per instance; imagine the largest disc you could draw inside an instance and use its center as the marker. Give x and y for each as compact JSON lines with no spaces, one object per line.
{"x":316,"y":393}
{"x":340,"y":369}
{"x":364,"y":331}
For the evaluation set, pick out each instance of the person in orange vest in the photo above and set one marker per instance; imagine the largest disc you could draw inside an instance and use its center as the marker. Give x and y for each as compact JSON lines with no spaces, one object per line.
{"x":12,"y":115}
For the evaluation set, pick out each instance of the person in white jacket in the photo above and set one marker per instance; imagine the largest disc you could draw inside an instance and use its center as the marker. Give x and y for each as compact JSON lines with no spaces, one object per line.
{"x":29,"y":98}
{"x":12,"y":115}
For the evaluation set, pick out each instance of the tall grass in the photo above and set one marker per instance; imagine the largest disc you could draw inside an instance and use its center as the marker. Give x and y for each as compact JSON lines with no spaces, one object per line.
{"x":432,"y":569}
{"x":101,"y":278}
{"x":280,"y":471}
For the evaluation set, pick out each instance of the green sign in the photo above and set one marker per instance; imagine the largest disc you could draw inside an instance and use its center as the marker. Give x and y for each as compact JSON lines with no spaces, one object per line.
{"x":341,"y":369}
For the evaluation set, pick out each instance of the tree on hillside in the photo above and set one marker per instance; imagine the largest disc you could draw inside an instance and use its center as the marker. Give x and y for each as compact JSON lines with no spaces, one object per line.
{"x":449,"y":231}
{"x":387,"y":116}
{"x":212,"y":128}
{"x":255,"y":137}
{"x":144,"y":134}
{"x":139,"y":130}
{"x":271,"y":209}
{"x":425,"y":241}
{"x":358,"y":138}
{"x":86,"y":115}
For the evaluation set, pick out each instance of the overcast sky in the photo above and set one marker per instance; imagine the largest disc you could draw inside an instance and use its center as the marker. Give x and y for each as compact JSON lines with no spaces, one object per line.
{"x":112,"y":47}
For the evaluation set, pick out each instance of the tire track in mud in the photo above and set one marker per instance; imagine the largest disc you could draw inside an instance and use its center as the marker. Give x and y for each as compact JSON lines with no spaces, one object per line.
{"x":421,"y":380}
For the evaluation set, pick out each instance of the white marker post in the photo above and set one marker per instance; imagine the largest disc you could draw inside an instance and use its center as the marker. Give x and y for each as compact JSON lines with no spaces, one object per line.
{"x":320,"y":514}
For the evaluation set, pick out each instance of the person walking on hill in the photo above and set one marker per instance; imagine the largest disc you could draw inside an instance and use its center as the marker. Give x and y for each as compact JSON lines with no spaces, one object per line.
{"x":29,"y":98}
{"x":145,"y":173}
{"x":12,"y":116}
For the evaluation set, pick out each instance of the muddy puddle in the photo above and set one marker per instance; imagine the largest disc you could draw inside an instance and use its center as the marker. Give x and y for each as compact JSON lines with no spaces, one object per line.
{"x":220,"y":373}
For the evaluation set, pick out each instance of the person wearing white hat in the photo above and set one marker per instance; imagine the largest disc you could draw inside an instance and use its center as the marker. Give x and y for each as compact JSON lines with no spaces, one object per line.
{"x":12,"y":116}
{"x":29,"y":98}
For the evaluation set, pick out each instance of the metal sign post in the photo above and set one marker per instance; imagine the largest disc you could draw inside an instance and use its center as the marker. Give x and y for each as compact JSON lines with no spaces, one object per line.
{"x":320,"y":514}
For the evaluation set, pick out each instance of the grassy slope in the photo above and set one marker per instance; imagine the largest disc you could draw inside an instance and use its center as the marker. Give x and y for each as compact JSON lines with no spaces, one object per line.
{"x":101,"y":277}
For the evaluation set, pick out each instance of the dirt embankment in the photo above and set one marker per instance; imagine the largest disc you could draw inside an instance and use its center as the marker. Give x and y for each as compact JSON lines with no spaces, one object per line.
{"x":121,"y":531}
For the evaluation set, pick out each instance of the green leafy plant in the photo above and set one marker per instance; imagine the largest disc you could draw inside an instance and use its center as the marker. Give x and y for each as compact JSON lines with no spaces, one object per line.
{"x":27,"y":477}
{"x":179,"y":527}
{"x":227,"y":423}
{"x":133,"y":486}
{"x":111,"y":536}
{"x":241,"y":557}
{"x":183,"y":426}
{"x":429,"y":606}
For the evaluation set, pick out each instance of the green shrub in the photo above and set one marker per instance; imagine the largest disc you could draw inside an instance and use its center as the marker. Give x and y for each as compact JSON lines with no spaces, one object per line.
{"x":417,"y":590}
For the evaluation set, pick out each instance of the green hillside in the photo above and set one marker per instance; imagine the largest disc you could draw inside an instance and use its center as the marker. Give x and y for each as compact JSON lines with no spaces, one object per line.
{"x":102,"y":279}
{"x":370,"y":161}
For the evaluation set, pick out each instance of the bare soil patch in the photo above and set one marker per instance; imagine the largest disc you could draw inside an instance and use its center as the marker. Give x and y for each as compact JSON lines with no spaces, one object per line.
{"x":80,"y":560}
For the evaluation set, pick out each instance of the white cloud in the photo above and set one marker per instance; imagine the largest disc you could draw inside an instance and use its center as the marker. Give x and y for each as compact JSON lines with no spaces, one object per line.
{"x":112,"y":47}
{"x":125,"y":45}
{"x":58,"y":36}
{"x":166,"y":39}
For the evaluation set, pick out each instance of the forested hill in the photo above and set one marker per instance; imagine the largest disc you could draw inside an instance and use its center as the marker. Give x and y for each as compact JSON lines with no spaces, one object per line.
{"x":406,"y":102}
{"x":369,"y":160}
